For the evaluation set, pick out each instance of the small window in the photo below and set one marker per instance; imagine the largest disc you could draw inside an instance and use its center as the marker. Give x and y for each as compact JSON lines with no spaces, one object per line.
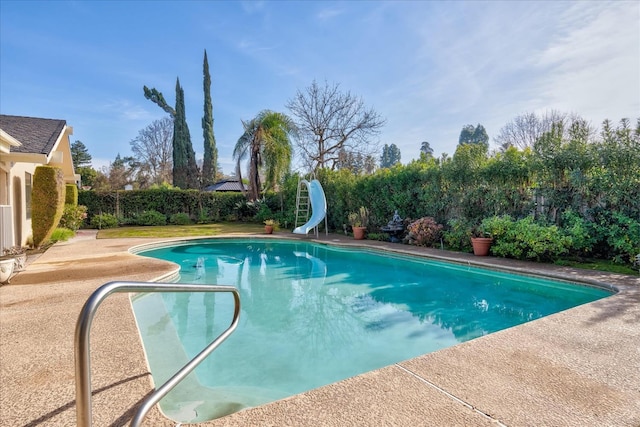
{"x":27,"y":193}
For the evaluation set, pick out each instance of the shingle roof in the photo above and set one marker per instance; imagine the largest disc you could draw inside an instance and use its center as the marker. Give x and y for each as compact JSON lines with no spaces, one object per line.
{"x":36,"y":135}
{"x":226,"y":185}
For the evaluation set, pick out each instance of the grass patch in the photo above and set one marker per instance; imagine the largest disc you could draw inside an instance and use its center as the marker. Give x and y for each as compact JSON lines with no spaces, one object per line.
{"x":598,"y":265}
{"x":61,"y":235}
{"x":195,"y":230}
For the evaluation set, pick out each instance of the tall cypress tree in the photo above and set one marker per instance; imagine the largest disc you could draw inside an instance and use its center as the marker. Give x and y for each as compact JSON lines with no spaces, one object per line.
{"x":209,"y":165}
{"x":185,"y":169}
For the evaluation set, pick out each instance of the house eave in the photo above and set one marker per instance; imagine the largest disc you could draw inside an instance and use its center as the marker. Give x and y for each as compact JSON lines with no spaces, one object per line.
{"x":38,"y":158}
{"x":8,"y":139}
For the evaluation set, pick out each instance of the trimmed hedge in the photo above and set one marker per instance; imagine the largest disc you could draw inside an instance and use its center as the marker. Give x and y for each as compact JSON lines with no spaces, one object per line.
{"x":203,"y":205}
{"x":71,"y":195}
{"x":47,"y":202}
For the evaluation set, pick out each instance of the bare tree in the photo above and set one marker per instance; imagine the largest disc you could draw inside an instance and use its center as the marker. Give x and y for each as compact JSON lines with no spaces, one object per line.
{"x":330,"y":121}
{"x":524,"y":130}
{"x":121,"y":172}
{"x":153,"y":149}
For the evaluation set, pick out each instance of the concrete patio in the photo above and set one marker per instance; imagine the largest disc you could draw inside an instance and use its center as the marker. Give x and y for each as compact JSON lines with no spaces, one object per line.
{"x":580,"y":367}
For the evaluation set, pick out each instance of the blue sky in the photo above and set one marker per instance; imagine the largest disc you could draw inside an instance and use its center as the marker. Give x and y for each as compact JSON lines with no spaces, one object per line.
{"x":428,"y":68}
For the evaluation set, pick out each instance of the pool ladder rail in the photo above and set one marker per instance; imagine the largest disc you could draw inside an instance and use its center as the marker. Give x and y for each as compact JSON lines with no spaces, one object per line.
{"x":83,"y":353}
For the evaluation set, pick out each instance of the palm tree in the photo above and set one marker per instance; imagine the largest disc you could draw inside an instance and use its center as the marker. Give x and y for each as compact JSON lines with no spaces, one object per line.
{"x":267,"y":142}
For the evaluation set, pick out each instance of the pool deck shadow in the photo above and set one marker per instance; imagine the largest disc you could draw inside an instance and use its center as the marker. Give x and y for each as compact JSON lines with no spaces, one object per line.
{"x":579,"y":367}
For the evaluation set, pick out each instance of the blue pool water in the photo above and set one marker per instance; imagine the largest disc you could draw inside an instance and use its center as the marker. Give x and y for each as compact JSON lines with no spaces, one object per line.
{"x":315,"y":314}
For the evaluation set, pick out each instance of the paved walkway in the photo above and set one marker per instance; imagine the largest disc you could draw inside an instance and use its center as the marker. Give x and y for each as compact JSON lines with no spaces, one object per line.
{"x":580,"y":367}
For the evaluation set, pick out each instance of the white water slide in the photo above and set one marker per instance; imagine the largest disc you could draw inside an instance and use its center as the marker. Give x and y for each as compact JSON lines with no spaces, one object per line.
{"x":318,"y":206}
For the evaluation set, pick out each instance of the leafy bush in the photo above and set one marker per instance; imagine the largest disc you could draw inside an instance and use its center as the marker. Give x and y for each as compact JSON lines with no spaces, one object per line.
{"x":106,"y":220}
{"x":180,"y":219}
{"x":151,"y":218}
{"x":498,"y":227}
{"x":245,"y":209}
{"x":73,"y":216}
{"x":525,"y":239}
{"x":130,"y":220}
{"x":582,"y":233}
{"x":624,"y":238}
{"x":264,"y":213}
{"x":381,"y":237}
{"x":458,"y":235}
{"x":203,"y":216}
{"x":424,"y":232}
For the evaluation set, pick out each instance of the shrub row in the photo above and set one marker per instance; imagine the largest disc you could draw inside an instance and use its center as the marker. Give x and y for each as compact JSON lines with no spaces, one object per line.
{"x":617,"y":237}
{"x":199,"y":206}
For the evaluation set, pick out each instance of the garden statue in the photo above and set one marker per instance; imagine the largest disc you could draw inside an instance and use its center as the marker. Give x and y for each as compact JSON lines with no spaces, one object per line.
{"x":394,"y":228}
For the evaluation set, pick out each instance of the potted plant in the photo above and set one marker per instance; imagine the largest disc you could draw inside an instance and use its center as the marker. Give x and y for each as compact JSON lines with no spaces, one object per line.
{"x":6,"y":269}
{"x":359,"y":221}
{"x":480,"y":241}
{"x":19,"y":256}
{"x":269,"y":225}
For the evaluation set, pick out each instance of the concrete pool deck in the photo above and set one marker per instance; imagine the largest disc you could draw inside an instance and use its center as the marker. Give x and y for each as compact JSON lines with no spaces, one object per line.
{"x":579,"y":367}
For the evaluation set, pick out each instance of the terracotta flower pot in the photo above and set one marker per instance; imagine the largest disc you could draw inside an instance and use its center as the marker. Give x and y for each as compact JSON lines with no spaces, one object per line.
{"x":268,"y":229}
{"x":358,"y":232}
{"x":481,"y":245}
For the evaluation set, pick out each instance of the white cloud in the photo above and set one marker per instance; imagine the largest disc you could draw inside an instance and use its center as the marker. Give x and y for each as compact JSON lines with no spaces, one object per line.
{"x":593,"y":67}
{"x":328,"y":13}
{"x":126,"y":110}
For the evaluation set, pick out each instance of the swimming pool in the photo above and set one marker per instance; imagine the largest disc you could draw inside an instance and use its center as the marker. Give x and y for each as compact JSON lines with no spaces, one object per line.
{"x":314,"y":314}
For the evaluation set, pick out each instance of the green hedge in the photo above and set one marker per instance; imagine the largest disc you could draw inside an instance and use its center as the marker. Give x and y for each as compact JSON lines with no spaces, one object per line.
{"x":199,"y":205}
{"x":71,"y":195}
{"x":47,"y":202}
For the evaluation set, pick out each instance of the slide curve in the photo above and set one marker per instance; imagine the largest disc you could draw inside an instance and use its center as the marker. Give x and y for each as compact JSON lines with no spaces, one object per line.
{"x":318,"y":206}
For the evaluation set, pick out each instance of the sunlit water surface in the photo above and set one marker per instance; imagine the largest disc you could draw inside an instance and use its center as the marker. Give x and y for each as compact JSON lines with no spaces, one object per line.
{"x":314,"y":314}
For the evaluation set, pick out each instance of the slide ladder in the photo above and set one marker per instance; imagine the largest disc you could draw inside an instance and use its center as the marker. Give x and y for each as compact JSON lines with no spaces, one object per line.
{"x":311,"y":207}
{"x":303,"y":207}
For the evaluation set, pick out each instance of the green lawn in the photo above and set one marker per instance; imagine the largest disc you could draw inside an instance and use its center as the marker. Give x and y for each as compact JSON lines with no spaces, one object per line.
{"x":182,"y":230}
{"x":599,"y":265}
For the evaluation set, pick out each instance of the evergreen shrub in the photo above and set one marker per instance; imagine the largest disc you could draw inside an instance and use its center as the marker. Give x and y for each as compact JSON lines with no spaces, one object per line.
{"x":71,"y":194}
{"x":205,"y":205}
{"x":180,"y":219}
{"x":47,"y":202}
{"x":525,"y":239}
{"x":151,"y":218}
{"x":457,"y":236}
{"x":105,"y":220}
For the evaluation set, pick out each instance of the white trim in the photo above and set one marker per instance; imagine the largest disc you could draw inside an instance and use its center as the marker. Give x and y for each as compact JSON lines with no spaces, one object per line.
{"x":8,"y":139}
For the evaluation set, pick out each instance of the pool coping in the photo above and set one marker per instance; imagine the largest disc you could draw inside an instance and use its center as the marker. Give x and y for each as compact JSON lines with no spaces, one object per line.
{"x":579,"y":363}
{"x":412,"y":251}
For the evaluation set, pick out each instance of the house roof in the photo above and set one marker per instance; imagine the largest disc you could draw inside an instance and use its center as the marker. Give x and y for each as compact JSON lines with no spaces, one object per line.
{"x":226,"y":185}
{"x":35,"y":134}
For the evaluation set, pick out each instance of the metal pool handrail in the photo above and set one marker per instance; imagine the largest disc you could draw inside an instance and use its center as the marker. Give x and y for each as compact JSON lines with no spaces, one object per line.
{"x":83,"y":354}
